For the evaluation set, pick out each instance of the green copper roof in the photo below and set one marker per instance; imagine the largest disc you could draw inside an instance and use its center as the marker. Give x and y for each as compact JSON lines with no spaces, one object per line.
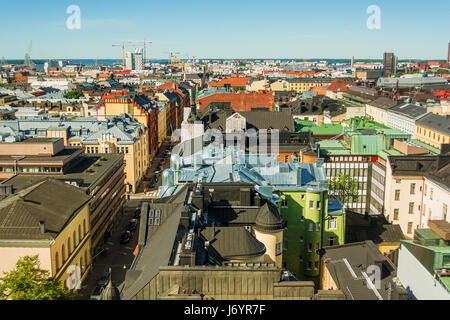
{"x":324,"y":129}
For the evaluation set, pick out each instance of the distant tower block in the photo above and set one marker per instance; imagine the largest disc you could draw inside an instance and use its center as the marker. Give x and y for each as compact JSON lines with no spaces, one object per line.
{"x":353,"y":61}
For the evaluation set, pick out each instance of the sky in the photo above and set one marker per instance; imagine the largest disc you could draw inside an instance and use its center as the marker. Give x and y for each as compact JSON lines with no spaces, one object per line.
{"x":290,"y":29}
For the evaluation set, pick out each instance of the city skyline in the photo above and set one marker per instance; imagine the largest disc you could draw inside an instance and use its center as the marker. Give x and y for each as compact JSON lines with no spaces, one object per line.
{"x":262,"y":30}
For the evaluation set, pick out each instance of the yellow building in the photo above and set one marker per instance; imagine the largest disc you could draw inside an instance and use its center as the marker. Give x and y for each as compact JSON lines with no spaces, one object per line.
{"x":433,"y":130}
{"x":49,"y":219}
{"x":162,"y":123}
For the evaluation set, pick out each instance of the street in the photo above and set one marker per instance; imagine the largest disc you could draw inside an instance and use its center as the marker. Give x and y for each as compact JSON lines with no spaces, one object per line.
{"x":118,"y":257}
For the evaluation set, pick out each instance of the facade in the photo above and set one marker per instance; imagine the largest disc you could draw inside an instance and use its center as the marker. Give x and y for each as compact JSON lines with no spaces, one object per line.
{"x":404,"y":117}
{"x":377,"y":109}
{"x":119,"y":134}
{"x":423,"y":263}
{"x":433,"y":130}
{"x":134,"y":60}
{"x":141,"y":108}
{"x":389,"y":64}
{"x":416,"y":191}
{"x":100,"y":176}
{"x":49,"y":219}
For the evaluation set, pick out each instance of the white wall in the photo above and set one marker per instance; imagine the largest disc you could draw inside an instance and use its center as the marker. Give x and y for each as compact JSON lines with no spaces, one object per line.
{"x":421,"y":283}
{"x":433,"y":208}
{"x":10,"y":255}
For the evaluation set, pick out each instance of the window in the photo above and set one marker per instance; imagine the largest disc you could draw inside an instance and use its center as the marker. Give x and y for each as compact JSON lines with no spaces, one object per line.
{"x":444,"y":211}
{"x":316,"y":265}
{"x":157,"y":213}
{"x":318,"y":205}
{"x":303,"y":197}
{"x":285,"y":245}
{"x":431,"y":194}
{"x":395,"y":214}
{"x":301,"y":238}
{"x":286,"y":159}
{"x":63,"y":250}
{"x":309,"y":265}
{"x":311,"y":205}
{"x":79,"y":234}
{"x":150,"y":221}
{"x":412,"y":189}
{"x":310,"y":246}
{"x":318,"y":226}
{"x":410,"y":225}
{"x":302,"y":218}
{"x":74,"y":240}
{"x":301,"y":258}
{"x":278,"y":249}
{"x":331,"y":241}
{"x":397,"y":195}
{"x":411,"y":208}
{"x":69,"y":250}
{"x":57,"y":260}
{"x":317,"y":246}
{"x":151,"y":213}
{"x":425,"y":191}
{"x":310,"y":226}
{"x":156,"y":221}
{"x":284,"y":203}
{"x":332,"y":224}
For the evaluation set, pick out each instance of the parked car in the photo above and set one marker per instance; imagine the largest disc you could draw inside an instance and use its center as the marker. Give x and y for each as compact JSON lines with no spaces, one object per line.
{"x":97,"y":293}
{"x":103,"y":281}
{"x":132,"y":225}
{"x":125,"y":237}
{"x":137,"y":213}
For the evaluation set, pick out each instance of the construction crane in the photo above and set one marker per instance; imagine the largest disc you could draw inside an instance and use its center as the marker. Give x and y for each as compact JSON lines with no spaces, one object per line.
{"x":172,"y":56}
{"x":145,"y":42}
{"x":27,"y":60}
{"x":123,"y":51}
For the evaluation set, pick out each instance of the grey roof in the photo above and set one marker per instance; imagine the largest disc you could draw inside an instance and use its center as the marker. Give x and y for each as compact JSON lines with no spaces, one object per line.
{"x":349,"y":265}
{"x":87,"y":130}
{"x":158,"y":247}
{"x":268,"y":219}
{"x":233,"y":242}
{"x":383,"y":103}
{"x":411,"y":111}
{"x":53,"y":201}
{"x":435,"y":122}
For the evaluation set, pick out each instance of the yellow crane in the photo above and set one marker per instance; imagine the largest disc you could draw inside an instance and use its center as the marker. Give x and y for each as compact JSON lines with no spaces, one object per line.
{"x":123,"y":52}
{"x":145,"y":42}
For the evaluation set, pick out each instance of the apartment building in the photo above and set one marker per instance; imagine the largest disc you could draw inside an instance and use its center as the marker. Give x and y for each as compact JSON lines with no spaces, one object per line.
{"x":433,"y":130}
{"x":416,"y":191}
{"x":49,"y":219}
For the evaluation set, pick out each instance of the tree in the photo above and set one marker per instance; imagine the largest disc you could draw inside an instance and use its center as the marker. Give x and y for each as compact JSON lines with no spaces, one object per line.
{"x":29,"y":282}
{"x":344,"y":187}
{"x":74,"y":95}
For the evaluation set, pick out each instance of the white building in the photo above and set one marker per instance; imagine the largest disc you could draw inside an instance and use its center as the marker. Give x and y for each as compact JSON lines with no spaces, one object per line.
{"x":404,"y":117}
{"x":417,"y":190}
{"x":134,"y":60}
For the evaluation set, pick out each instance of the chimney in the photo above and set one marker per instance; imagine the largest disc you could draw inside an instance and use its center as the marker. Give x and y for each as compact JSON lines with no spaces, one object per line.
{"x":42,"y":225}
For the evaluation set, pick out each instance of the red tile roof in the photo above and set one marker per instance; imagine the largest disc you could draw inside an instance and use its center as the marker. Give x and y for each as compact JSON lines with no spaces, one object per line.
{"x":232,"y":81}
{"x":242,"y":101}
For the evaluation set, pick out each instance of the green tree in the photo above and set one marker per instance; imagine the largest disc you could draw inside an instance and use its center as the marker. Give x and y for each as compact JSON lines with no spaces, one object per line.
{"x":344,"y":187}
{"x":74,"y":95}
{"x":29,"y":282}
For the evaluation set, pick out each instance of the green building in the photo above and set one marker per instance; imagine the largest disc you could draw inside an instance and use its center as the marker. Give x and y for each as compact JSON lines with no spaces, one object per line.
{"x":300,"y":191}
